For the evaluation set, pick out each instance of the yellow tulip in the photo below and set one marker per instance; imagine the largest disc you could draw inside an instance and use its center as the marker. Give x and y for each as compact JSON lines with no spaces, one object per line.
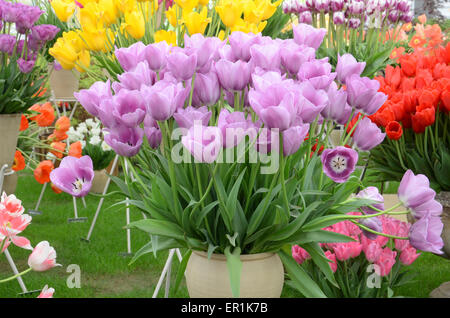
{"x":135,"y":24}
{"x":252,"y":13}
{"x":196,"y":22}
{"x":63,"y":9}
{"x":75,"y":40}
{"x":221,"y":35}
{"x":64,"y":53}
{"x":248,"y":27}
{"x":83,"y":62}
{"x":85,"y":2}
{"x":230,"y":12}
{"x":269,"y":8}
{"x":169,"y":36}
{"x":187,"y":5}
{"x":125,"y":5}
{"x":172,"y":15}
{"x":109,"y":11}
{"x":203,"y":2}
{"x":91,"y":16}
{"x":96,"y":40}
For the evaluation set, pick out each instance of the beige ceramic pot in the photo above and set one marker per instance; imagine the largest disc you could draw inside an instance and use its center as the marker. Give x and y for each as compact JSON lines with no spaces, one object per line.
{"x":262,"y":276}
{"x":63,"y":83}
{"x":9,"y":132}
{"x":99,"y":182}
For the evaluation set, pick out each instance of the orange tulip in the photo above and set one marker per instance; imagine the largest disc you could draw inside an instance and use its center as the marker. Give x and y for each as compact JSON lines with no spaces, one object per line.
{"x":46,"y":114}
{"x":19,"y":161}
{"x":57,"y":136}
{"x":42,"y":172}
{"x":75,"y":150}
{"x":62,"y":124}
{"x":56,"y":189}
{"x":23,"y":123}
{"x":58,"y":148}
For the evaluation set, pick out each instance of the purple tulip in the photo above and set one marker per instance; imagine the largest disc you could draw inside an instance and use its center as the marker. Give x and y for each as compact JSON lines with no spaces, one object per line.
{"x":128,"y":108}
{"x":262,"y":80}
{"x":133,"y":80}
{"x":312,"y":102}
{"x":275,"y":107}
{"x":337,"y":108}
{"x":160,"y":100}
{"x":233,"y":76}
{"x":125,"y":141}
{"x":234,"y":127}
{"x":415,"y":194}
{"x":339,"y":163}
{"x":293,"y":56}
{"x":25,"y":66}
{"x":318,"y":73}
{"x":404,"y":6}
{"x":305,"y":34}
{"x":362,"y":94}
{"x":406,"y":17}
{"x":7,"y":43}
{"x":393,"y":16}
{"x":129,"y":57}
{"x":206,"y":89}
{"x":266,"y":56}
{"x":41,"y":34}
{"x":10,"y":11}
{"x":293,"y":138}
{"x":90,"y":98}
{"x":152,"y":132}
{"x":348,"y":66}
{"x":74,"y":176}
{"x":336,"y":5}
{"x":204,"y":48}
{"x":27,"y":17}
{"x":371,"y":193}
{"x":241,"y":43}
{"x":374,"y":224}
{"x":322,"y":5}
{"x":355,"y":7}
{"x":367,"y":135}
{"x":181,"y":65}
{"x":156,"y":55}
{"x":204,"y":143}
{"x":305,"y":17}
{"x":425,"y":234}
{"x":187,"y":117}
{"x":354,"y":23}
{"x":338,"y":18}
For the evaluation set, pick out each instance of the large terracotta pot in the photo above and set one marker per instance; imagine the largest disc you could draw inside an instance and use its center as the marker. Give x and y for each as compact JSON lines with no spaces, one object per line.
{"x":262,"y":276}
{"x":99,"y":182}
{"x":444,"y":199}
{"x":9,"y":132}
{"x":63,"y":83}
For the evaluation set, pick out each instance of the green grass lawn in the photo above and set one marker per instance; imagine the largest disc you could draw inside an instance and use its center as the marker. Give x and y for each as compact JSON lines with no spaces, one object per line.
{"x":106,"y":274}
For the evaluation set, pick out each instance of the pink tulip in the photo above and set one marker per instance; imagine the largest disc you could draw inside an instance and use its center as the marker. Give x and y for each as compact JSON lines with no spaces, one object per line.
{"x":300,"y":254}
{"x":46,"y":292}
{"x":386,"y":261}
{"x":408,"y":255}
{"x":343,"y":251}
{"x":332,"y":258}
{"x":10,"y":227}
{"x":43,"y":257}
{"x":11,"y":205}
{"x":372,"y":251}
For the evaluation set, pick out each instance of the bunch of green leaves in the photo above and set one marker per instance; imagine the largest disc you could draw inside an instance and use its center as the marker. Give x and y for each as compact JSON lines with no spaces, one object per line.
{"x":100,"y":158}
{"x":276,"y":23}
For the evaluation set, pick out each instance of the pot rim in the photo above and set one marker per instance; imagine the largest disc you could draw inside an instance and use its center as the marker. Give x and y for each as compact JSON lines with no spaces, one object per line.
{"x":244,"y":257}
{"x":11,"y":115}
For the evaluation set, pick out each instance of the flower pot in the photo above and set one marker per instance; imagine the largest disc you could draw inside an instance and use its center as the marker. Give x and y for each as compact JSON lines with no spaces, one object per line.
{"x":444,"y":199}
{"x":9,"y":132}
{"x":99,"y":182}
{"x":389,"y":201}
{"x":262,"y":276}
{"x":63,"y":83}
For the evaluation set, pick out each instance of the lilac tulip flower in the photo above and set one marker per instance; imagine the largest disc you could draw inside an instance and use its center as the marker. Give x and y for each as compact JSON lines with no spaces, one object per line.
{"x":133,"y":80}
{"x":275,"y":107}
{"x":233,"y":76}
{"x":206,"y":89}
{"x":90,"y":98}
{"x":28,"y":16}
{"x":181,"y":65}
{"x":339,"y":163}
{"x":74,"y":176}
{"x":354,"y":23}
{"x":204,"y":48}
{"x":305,"y":17}
{"x":125,"y":141}
{"x":318,"y":73}
{"x":367,"y":135}
{"x":234,"y":127}
{"x":204,"y":143}
{"x":41,"y":34}
{"x":337,"y":108}
{"x":187,"y":117}
{"x":416,"y":195}
{"x":25,"y":66}
{"x":371,"y":193}
{"x":128,"y":108}
{"x":338,"y":18}
{"x":152,"y":132}
{"x":161,"y":99}
{"x":7,"y":43}
{"x":293,"y":56}
{"x":293,"y":137}
{"x":266,"y":56}
{"x":156,"y":55}
{"x":129,"y":57}
{"x":374,"y":224}
{"x":262,"y":80}
{"x":362,"y":94}
{"x":312,"y":102}
{"x":308,"y":35}
{"x":240,"y":44}
{"x":425,"y":234}
{"x":348,"y":66}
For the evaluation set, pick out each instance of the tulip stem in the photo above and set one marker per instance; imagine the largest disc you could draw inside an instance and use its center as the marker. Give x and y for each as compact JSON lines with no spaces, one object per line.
{"x":400,"y":156}
{"x":192,"y":90}
{"x":15,"y":276}
{"x":351,"y":131}
{"x":283,"y":182}
{"x":379,"y":233}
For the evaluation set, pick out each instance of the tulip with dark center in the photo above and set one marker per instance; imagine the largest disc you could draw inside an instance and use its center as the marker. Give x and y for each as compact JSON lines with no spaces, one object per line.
{"x":339,"y":163}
